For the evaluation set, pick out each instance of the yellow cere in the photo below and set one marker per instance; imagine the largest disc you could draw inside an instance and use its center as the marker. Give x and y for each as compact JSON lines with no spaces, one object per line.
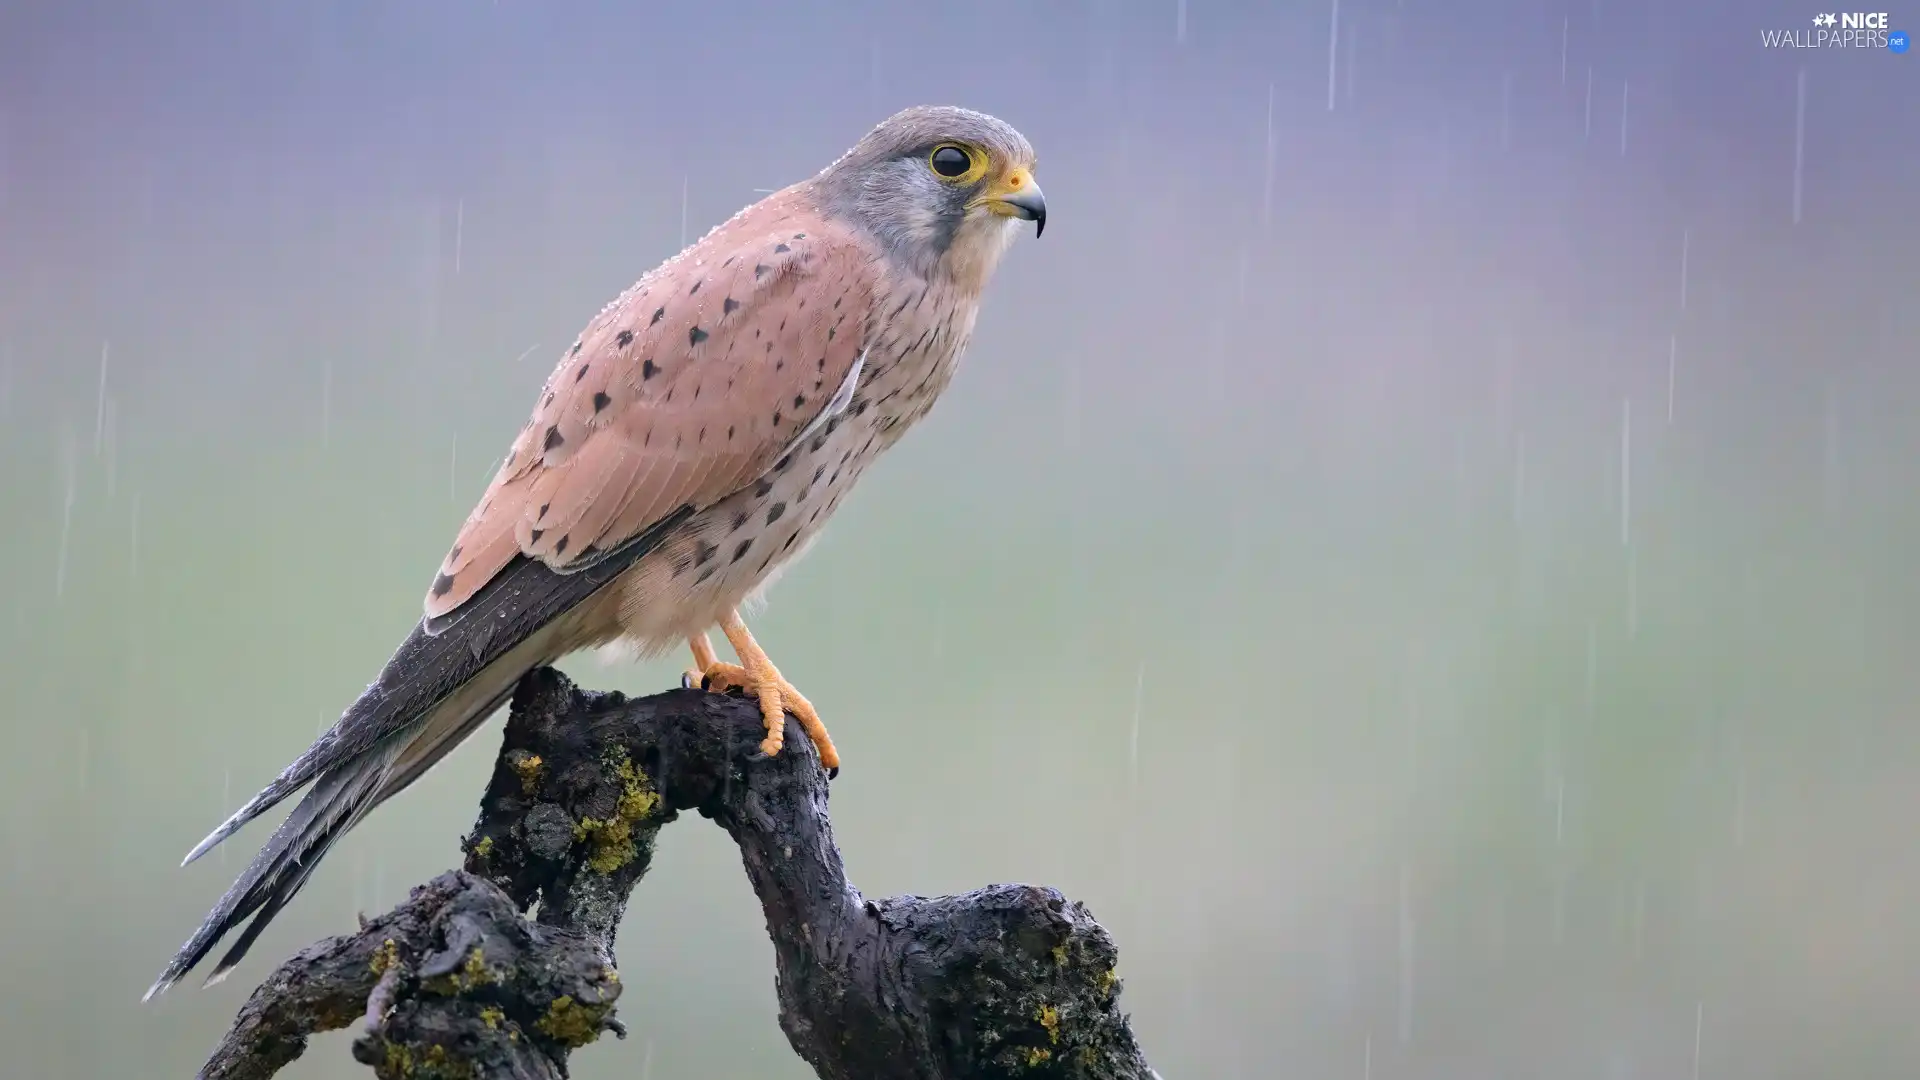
{"x":1013,"y":183}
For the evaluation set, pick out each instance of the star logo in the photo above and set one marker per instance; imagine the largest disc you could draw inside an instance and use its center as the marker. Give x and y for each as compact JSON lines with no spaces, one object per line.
{"x":1824,"y":20}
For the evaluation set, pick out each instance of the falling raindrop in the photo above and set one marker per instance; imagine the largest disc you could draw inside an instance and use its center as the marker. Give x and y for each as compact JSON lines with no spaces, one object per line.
{"x":1333,"y":57}
{"x":66,"y":520}
{"x":1623,"y":119}
{"x":646,"y":1062}
{"x":1639,"y":918}
{"x":1565,"y":22}
{"x":1830,"y":446}
{"x":1366,"y":1059}
{"x":1406,"y":952}
{"x":112,"y":454}
{"x":1626,"y":470}
{"x":1587,"y":131}
{"x":1799,"y":140}
{"x":1673,"y":364}
{"x":1519,"y":474}
{"x":1412,"y":698}
{"x":529,"y":352}
{"x":100,"y":401}
{"x":1180,"y":22}
{"x":1266,"y":193}
{"x":1699,"y":1022}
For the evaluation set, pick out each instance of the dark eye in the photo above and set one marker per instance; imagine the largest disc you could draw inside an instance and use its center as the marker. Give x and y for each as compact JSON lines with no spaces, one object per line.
{"x":950,"y":161}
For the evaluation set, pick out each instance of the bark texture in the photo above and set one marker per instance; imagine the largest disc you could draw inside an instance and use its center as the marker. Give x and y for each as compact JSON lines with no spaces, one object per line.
{"x":459,"y":982}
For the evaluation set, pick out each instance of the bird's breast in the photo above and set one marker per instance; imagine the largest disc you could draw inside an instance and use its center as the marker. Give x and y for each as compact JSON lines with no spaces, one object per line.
{"x":727,"y":552}
{"x":732,"y":549}
{"x":921,"y":334}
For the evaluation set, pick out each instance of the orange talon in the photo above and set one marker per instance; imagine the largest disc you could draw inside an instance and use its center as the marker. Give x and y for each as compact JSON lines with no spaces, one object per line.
{"x":709,"y":672}
{"x":756,"y":675}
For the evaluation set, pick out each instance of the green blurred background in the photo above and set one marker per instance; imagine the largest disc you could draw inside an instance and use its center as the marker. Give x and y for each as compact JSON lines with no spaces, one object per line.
{"x":1422,"y":548}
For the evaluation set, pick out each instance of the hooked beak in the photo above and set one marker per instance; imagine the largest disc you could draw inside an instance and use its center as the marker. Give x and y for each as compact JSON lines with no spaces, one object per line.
{"x":1017,"y":196}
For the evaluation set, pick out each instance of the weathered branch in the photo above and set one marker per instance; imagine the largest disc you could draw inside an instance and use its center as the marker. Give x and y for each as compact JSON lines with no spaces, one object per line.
{"x":1011,"y":980}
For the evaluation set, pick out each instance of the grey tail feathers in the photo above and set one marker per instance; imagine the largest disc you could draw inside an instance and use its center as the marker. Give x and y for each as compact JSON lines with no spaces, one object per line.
{"x":344,"y":795}
{"x":445,"y":680}
{"x":346,"y":792}
{"x":283,"y":865}
{"x":292,"y":779}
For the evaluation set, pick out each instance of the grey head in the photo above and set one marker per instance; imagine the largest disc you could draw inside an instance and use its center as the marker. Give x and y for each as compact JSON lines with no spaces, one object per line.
{"x":942,"y":189}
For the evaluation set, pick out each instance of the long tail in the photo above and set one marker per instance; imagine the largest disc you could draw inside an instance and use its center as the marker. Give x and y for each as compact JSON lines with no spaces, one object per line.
{"x":445,"y":680}
{"x":282,"y":866}
{"x":341,"y":797}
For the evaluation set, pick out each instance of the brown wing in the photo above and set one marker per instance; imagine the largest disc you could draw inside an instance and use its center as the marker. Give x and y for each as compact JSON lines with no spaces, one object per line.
{"x":683,"y":391}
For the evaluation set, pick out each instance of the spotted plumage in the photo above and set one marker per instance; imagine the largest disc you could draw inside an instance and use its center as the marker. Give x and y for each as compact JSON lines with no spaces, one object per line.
{"x":689,"y":446}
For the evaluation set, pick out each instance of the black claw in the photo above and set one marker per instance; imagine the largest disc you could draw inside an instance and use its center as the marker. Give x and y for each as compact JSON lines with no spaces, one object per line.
{"x":706,"y":683}
{"x":833,"y":773}
{"x":686,"y":681}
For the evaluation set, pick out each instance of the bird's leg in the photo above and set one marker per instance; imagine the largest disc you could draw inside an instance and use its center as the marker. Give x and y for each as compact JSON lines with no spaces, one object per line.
{"x":709,"y":672}
{"x":757,"y":675}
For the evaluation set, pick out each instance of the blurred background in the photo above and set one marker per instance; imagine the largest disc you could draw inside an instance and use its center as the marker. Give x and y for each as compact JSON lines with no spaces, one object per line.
{"x":1423,"y":548}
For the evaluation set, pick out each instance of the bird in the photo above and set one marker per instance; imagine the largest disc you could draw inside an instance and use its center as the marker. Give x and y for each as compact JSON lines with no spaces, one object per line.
{"x":688,"y":447}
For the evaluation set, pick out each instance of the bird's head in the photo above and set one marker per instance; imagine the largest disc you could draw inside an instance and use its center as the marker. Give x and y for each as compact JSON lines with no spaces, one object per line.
{"x":944,"y":189}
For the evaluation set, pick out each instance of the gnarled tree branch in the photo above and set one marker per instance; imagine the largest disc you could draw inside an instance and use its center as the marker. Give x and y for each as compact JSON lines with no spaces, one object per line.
{"x":1011,"y":980}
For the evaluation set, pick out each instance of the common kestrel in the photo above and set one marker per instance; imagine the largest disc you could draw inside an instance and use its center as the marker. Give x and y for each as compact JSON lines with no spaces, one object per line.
{"x":691,"y":442}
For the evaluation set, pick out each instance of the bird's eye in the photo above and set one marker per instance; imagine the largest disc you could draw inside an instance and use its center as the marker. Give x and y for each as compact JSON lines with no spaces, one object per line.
{"x":950,"y":161}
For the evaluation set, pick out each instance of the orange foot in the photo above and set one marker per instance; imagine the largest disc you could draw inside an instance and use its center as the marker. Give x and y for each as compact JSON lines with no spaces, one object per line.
{"x":757,"y":676}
